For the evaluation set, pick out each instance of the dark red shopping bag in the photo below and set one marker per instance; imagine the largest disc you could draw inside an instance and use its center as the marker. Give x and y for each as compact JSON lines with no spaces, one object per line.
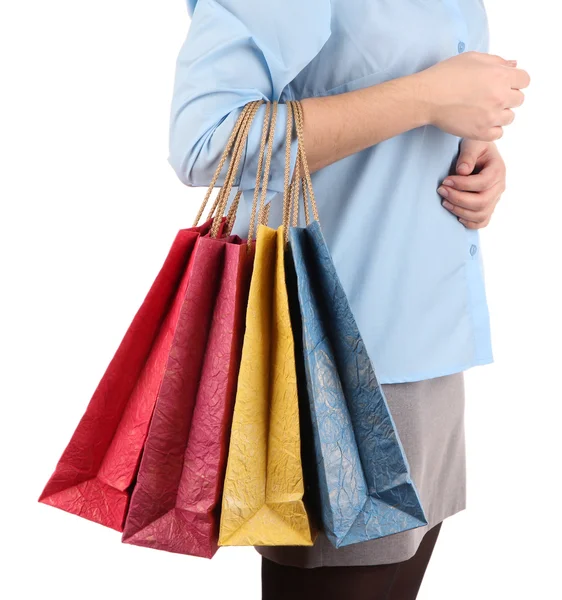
{"x":94,"y":474}
{"x":175,"y":499}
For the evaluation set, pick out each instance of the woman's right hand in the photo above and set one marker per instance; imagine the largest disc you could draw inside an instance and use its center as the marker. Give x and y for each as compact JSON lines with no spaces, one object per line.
{"x":472,"y":95}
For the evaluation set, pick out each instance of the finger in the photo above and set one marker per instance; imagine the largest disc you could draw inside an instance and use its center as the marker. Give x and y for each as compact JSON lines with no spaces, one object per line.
{"x":493,"y":134}
{"x":471,"y":225}
{"x":473,"y":216}
{"x":507,"y":117}
{"x":465,"y":165}
{"x":479,"y":182}
{"x":514,"y":99}
{"x":474,"y":201}
{"x":499,"y":60}
{"x":466,"y":162}
{"x":489,"y":135}
{"x":520,"y":79}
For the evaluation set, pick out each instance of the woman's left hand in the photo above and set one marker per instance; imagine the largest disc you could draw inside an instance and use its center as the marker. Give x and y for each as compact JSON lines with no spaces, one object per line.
{"x":473,"y":197}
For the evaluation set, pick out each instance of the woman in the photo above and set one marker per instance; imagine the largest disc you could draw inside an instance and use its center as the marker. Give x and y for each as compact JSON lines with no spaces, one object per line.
{"x":402,"y":105}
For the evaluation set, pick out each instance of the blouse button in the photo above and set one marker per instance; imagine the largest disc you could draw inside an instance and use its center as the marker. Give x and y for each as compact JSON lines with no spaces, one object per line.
{"x":473,"y":250}
{"x":461,"y":47}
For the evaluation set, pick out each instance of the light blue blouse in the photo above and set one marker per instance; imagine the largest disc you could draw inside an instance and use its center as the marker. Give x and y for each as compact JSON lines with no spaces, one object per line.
{"x":413,"y":274}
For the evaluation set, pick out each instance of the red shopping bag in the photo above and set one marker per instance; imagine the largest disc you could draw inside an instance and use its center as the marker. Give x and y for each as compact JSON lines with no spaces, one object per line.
{"x":96,"y":472}
{"x":93,"y":476}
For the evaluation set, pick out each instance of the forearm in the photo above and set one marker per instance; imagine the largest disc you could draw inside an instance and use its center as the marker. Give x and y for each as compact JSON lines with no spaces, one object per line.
{"x":340,"y":125}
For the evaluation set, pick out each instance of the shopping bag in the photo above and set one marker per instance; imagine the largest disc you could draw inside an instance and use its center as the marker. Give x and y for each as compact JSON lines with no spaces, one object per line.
{"x":92,"y":479}
{"x":175,"y":501}
{"x":262,"y":501}
{"x":173,"y":506}
{"x":263,"y":489}
{"x":96,"y":473}
{"x":363,"y":475}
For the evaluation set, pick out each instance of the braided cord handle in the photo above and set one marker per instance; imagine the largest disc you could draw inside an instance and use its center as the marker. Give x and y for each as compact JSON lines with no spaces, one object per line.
{"x":231,"y":217}
{"x":222,"y":198}
{"x":260,"y":211}
{"x":235,"y":149}
{"x":303,"y":179}
{"x":224,"y":193}
{"x":287,"y":196}
{"x":269,"y":132}
{"x":235,"y":131}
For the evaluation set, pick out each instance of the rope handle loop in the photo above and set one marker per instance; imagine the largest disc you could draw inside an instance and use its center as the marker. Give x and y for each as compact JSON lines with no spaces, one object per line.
{"x":292,"y":188}
{"x":231,"y":140}
{"x":224,"y":194}
{"x":303,"y":179}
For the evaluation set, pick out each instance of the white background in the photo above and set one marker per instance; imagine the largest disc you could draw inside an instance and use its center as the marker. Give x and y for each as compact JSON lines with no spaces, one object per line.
{"x":89,"y":209}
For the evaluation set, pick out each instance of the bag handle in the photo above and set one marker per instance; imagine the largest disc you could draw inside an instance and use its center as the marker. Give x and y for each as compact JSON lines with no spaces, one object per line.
{"x":306,"y":180}
{"x":233,"y":136}
{"x":224,"y":193}
{"x":287,"y":190}
{"x":236,"y":144}
{"x":291,"y":192}
{"x":271,"y":133}
{"x":259,"y":210}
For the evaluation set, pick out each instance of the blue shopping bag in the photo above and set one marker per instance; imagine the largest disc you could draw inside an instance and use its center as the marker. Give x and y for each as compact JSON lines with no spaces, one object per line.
{"x":365,"y":489}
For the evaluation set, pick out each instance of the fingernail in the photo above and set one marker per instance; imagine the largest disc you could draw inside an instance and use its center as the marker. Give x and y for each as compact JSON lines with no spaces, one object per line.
{"x":463,"y":166}
{"x":442,"y":191}
{"x":447,"y":205}
{"x":449,"y":182}
{"x":513,"y":63}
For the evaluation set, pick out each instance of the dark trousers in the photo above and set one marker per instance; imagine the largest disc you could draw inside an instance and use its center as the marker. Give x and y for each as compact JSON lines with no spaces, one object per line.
{"x":396,"y":581}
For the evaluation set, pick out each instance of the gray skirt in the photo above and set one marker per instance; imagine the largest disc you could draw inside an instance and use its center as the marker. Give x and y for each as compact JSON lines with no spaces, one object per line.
{"x":429,"y":416}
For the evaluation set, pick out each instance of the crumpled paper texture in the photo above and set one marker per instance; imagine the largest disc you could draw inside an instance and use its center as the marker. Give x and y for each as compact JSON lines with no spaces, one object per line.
{"x":95,"y":472}
{"x":365,"y":487}
{"x":175,"y":502}
{"x":263,"y":489}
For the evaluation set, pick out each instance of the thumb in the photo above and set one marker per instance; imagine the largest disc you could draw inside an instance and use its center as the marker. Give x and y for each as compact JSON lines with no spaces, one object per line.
{"x":467,"y":159}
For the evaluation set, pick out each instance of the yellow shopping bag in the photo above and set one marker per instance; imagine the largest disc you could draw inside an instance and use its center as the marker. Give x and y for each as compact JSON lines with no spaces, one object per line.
{"x":263,"y":490}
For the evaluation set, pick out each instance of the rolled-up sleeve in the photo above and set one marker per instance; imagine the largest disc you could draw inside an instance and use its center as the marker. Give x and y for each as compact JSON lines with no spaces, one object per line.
{"x":237,"y":51}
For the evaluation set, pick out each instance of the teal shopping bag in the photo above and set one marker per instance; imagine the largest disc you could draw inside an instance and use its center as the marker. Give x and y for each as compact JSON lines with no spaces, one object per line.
{"x":365,"y":488}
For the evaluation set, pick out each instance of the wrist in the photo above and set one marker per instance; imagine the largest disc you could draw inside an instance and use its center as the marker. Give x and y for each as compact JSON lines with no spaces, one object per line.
{"x":422,"y":101}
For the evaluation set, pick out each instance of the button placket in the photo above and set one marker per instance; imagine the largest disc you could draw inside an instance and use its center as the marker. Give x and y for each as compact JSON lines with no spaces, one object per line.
{"x":459,"y":26}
